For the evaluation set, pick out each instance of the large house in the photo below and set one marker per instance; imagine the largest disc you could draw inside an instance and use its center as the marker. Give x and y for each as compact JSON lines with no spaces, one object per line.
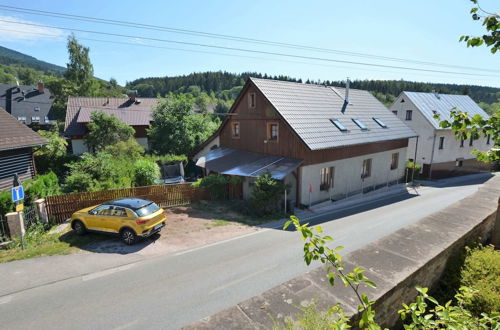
{"x":30,"y":105}
{"x":16,"y":144}
{"x":132,"y":111}
{"x":324,"y":141}
{"x":438,"y":151}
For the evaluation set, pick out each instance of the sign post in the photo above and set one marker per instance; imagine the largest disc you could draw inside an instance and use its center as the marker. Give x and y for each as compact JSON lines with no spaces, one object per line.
{"x":17,"y":197}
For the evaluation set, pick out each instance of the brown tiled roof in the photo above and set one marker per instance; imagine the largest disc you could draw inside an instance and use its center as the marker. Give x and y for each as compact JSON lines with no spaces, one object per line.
{"x":129,"y":117}
{"x":73,"y":127}
{"x":15,"y":135}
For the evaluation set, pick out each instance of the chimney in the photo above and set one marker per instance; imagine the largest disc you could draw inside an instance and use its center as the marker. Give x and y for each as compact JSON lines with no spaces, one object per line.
{"x":41,"y":87}
{"x":347,"y":83}
{"x":132,"y":95}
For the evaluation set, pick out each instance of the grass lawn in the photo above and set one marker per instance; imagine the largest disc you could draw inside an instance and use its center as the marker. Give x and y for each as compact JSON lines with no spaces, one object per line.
{"x":39,"y":243}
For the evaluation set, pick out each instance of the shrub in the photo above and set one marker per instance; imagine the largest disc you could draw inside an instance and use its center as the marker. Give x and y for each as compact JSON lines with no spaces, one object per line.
{"x":266,"y":194}
{"x":145,"y":172}
{"x":481,"y":272}
{"x":170,"y":159}
{"x":6,"y":204}
{"x":41,"y":186}
{"x":409,"y":166}
{"x":215,"y":183}
{"x":129,"y":149}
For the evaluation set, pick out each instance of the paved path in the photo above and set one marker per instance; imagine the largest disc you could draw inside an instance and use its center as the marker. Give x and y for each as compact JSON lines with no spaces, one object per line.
{"x":170,"y":291}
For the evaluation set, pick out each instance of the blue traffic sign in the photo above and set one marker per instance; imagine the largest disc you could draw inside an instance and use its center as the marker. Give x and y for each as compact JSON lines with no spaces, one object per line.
{"x":17,"y":193}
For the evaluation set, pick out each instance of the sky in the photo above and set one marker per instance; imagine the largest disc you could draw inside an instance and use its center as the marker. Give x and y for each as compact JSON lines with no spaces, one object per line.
{"x":424,"y":30}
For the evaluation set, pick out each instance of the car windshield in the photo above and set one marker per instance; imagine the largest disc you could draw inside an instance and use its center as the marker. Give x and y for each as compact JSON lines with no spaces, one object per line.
{"x":147,"y":210}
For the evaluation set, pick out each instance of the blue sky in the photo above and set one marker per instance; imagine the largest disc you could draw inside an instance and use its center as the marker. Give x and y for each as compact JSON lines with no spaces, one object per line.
{"x":425,"y":30}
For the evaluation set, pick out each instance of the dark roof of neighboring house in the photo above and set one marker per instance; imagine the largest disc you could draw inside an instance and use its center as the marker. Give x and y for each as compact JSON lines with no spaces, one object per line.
{"x":24,"y":105}
{"x":129,"y":117}
{"x":108,"y":104}
{"x":15,"y":135}
{"x":308,"y":109}
{"x":441,"y":104}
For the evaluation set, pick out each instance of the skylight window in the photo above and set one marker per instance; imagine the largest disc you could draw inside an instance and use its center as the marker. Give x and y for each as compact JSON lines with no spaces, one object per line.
{"x":339,"y":125}
{"x":360,"y":124}
{"x":380,"y":122}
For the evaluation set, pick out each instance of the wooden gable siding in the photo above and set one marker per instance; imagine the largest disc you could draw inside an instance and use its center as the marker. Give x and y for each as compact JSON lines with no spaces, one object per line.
{"x":18,"y":161}
{"x":253,"y":133}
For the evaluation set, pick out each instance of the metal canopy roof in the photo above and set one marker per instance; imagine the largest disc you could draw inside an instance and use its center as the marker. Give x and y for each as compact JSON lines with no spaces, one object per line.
{"x":244,"y":163}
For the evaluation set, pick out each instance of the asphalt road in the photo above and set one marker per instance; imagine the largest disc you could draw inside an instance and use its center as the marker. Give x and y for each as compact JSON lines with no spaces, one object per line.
{"x":171,"y":291}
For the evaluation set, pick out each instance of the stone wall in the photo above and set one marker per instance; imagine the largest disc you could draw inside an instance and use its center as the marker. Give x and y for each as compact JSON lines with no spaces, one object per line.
{"x":414,"y":255}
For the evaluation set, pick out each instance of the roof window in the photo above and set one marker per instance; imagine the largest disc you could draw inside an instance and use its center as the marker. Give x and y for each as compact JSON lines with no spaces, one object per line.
{"x":380,"y":122}
{"x":339,"y":125}
{"x":360,"y":124}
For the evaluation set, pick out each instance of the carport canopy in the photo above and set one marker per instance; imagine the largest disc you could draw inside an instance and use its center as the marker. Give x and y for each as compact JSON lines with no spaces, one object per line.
{"x":244,"y":163}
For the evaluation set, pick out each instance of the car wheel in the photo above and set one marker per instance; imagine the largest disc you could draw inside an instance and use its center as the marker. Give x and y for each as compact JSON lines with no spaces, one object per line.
{"x":128,"y":236}
{"x":79,"y":227}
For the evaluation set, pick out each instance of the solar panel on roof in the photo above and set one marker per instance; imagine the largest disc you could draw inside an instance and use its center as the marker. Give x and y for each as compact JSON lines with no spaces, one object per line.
{"x":339,"y":125}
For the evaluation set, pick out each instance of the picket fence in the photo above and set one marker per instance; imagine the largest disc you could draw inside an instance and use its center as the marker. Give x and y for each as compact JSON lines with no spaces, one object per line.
{"x":61,"y":207}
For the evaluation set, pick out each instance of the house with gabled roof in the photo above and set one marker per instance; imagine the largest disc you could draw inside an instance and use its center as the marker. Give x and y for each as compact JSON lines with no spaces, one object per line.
{"x":132,"y":111}
{"x":31,"y":105}
{"x":16,"y":150}
{"x":326,"y":142}
{"x":437,"y":149}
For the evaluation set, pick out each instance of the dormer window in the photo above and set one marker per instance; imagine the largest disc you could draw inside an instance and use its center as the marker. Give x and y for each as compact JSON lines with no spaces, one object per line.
{"x":339,"y":125}
{"x":35,"y":119}
{"x":251,"y":100}
{"x":360,"y":124}
{"x":37,"y":109}
{"x":380,"y":122}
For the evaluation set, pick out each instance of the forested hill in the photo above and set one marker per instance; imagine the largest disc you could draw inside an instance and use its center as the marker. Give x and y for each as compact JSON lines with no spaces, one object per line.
{"x":9,"y":56}
{"x":217,"y":82}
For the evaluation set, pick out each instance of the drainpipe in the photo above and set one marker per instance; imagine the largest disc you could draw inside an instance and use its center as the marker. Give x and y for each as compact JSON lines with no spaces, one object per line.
{"x":414,"y":161}
{"x":432,"y":156}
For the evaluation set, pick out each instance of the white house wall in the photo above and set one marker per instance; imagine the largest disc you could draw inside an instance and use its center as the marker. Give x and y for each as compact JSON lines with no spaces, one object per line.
{"x":215,"y":143}
{"x":347,"y":176}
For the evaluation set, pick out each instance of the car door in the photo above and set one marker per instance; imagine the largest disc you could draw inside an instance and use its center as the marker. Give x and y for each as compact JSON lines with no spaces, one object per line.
{"x":116,"y":220}
{"x":100,"y":217}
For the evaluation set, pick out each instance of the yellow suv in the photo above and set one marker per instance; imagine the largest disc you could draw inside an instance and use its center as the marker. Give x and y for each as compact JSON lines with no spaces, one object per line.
{"x":129,"y":217}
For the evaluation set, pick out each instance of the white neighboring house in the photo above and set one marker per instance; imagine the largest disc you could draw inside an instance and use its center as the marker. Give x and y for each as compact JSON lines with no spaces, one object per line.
{"x":438,"y":151}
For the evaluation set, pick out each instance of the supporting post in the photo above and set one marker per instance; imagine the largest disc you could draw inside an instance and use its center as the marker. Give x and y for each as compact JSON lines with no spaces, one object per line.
{"x":414,"y":162}
{"x":285,"y":202}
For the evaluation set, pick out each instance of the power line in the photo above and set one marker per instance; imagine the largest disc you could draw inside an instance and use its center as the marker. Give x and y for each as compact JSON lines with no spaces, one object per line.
{"x":228,"y":37}
{"x":247,"y":50}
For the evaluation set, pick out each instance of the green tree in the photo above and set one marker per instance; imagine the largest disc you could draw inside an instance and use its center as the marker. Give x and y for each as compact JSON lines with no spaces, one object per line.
{"x":126,"y":150}
{"x":176,"y":128}
{"x":105,"y":130}
{"x":267,"y":193}
{"x":57,"y":146}
{"x":80,"y":70}
{"x":491,"y":21}
{"x":146,"y":172}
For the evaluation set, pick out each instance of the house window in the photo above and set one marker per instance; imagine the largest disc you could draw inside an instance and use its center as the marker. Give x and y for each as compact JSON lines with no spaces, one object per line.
{"x":394,"y":160}
{"x":327,"y":176}
{"x":23,"y":119}
{"x":37,"y":108}
{"x":272,"y":131}
{"x":441,"y":142}
{"x":380,"y":122}
{"x":46,"y":119}
{"x":251,"y":100}
{"x":35,"y":119}
{"x":488,"y":138}
{"x":367,"y":168}
{"x":360,"y":124}
{"x":461,"y":142}
{"x":471,"y":141}
{"x":395,"y":112}
{"x":236,"y":130}
{"x":409,"y":114}
{"x":459,"y":163}
{"x":338,"y":124}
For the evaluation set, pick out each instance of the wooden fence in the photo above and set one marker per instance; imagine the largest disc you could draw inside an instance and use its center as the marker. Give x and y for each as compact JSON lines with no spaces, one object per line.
{"x":60,"y":208}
